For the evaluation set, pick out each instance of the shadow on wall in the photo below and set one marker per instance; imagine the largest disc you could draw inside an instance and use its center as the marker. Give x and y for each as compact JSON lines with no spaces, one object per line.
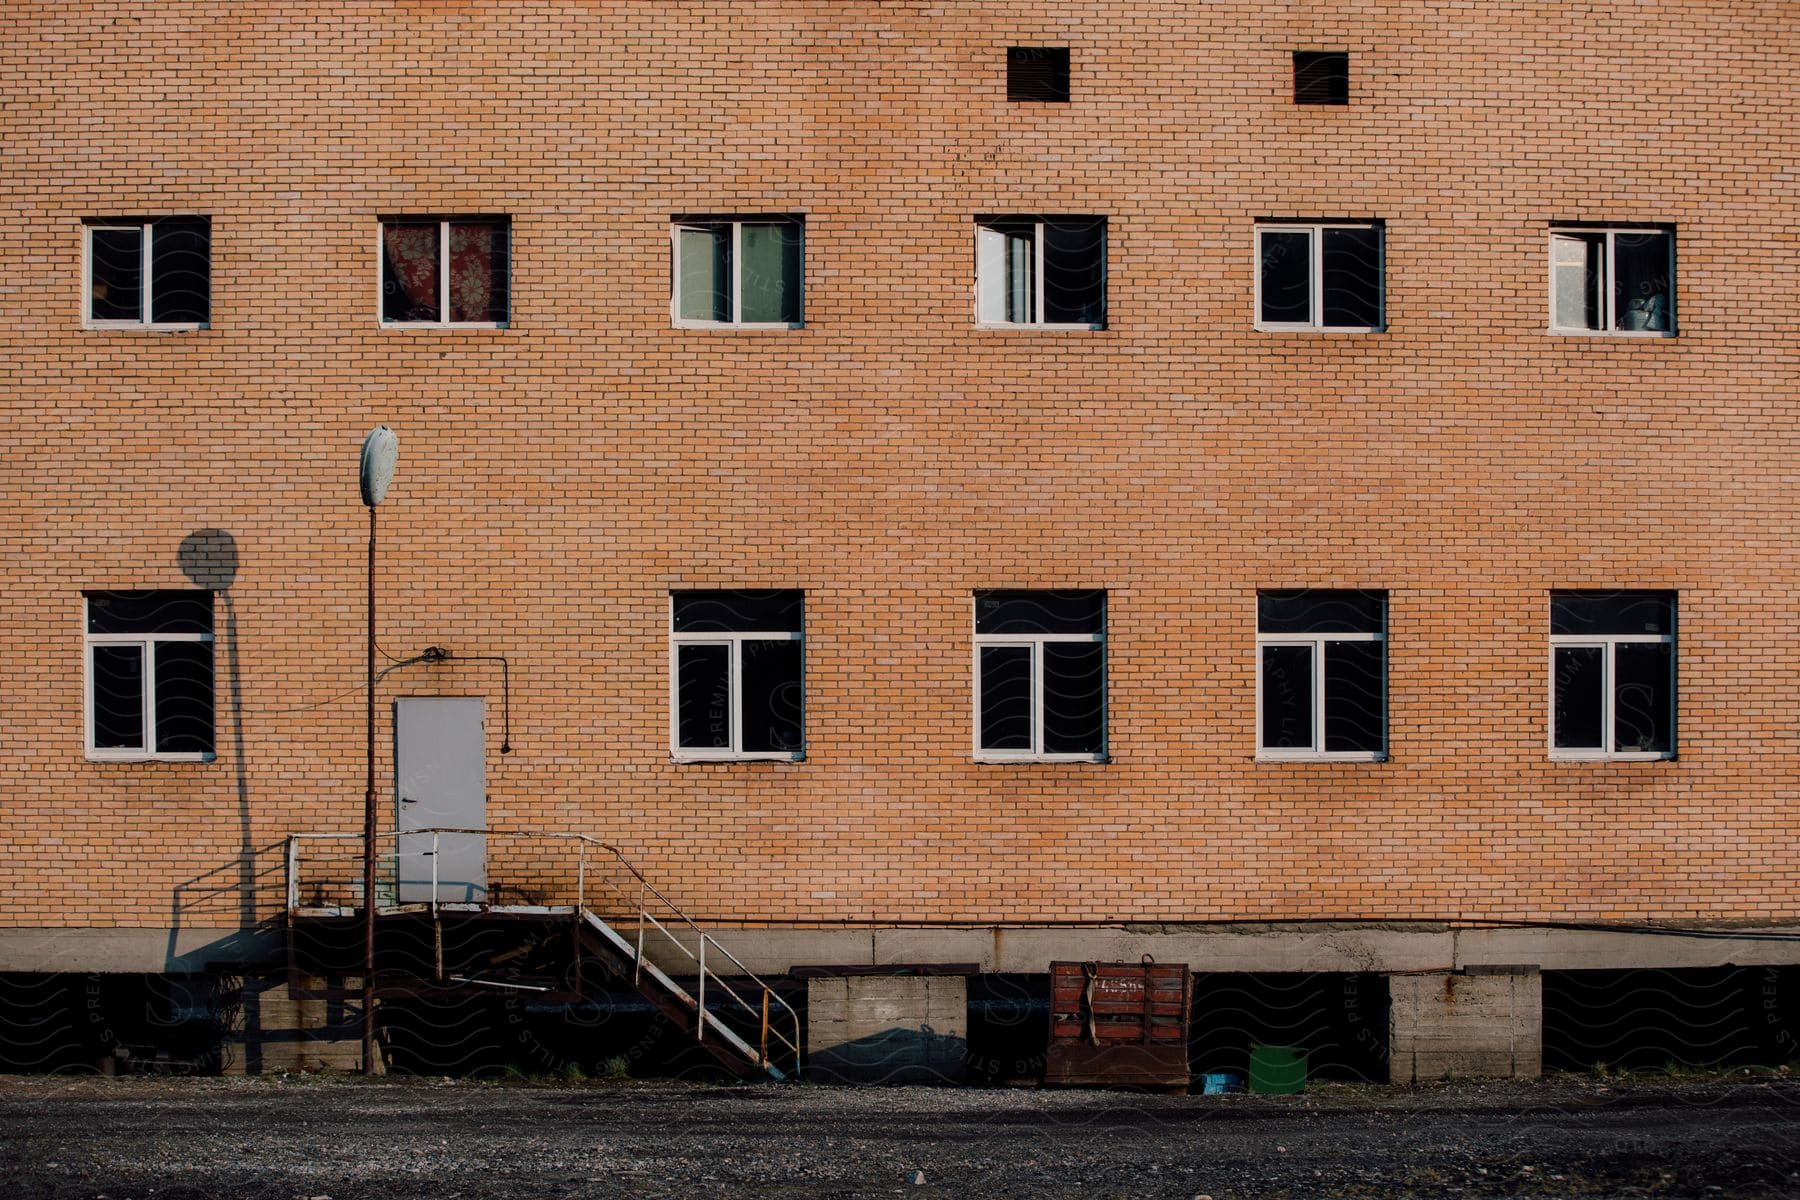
{"x":898,"y":1055}
{"x":209,"y":559}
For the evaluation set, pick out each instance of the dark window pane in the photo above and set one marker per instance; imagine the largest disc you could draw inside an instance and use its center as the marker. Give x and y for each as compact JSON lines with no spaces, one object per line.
{"x":1075,"y":272}
{"x":1643,"y":279}
{"x":1580,"y":690}
{"x":1287,"y":697}
{"x":1074,"y":697}
{"x":703,"y":272}
{"x":1350,"y":277}
{"x":772,"y":698}
{"x":1355,"y":676}
{"x":118,"y":697}
{"x":1321,"y":610}
{"x":184,"y":697}
{"x":1286,"y":258}
{"x":703,"y":691}
{"x":150,"y":612}
{"x":739,"y":611}
{"x":116,"y":275}
{"x":479,"y":271}
{"x":1040,"y":612}
{"x":1037,"y":73}
{"x":1006,"y":697}
{"x":1577,"y":269}
{"x":1586,"y":614}
{"x":181,"y":271}
{"x":770,"y":273}
{"x":1643,"y":696}
{"x":409,"y":271}
{"x":1321,"y":77}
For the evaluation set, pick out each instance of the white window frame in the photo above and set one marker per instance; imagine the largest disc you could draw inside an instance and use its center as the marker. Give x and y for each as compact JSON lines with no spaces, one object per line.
{"x":1037,"y":276}
{"x":443,"y":224}
{"x":735,"y":641}
{"x":146,"y":294}
{"x":1315,"y":276}
{"x":1035,"y":642}
{"x":147,"y":643}
{"x":1608,"y":292}
{"x":1317,"y":752}
{"x":1607,"y":644}
{"x":737,"y":265}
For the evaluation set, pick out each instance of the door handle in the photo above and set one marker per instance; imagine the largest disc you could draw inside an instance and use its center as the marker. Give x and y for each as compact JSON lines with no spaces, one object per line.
{"x":407,"y":800}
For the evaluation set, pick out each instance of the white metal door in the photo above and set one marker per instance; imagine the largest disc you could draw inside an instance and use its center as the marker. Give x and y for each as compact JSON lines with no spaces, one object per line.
{"x":440,"y":782}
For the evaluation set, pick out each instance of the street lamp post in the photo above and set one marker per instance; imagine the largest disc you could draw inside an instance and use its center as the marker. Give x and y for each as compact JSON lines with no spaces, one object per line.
{"x":379,"y":453}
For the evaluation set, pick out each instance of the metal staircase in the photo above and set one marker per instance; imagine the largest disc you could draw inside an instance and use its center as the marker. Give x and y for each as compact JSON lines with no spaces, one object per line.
{"x":619,"y":920}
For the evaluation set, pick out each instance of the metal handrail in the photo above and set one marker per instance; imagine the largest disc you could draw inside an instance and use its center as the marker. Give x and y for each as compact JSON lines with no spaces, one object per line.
{"x":643,"y":914}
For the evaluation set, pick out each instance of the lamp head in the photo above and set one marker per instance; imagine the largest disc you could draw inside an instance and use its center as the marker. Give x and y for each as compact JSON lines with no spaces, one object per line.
{"x":380,"y":451}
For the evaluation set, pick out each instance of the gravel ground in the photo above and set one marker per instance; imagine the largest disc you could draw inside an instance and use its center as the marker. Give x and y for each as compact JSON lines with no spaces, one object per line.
{"x":347,"y":1138}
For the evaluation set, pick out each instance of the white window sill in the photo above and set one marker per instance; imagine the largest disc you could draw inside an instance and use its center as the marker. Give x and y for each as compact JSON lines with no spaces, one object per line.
{"x":993,"y":756}
{"x":692,"y":756}
{"x":444,"y":324}
{"x":143,"y":756}
{"x":1266,"y":328}
{"x":1320,"y":756}
{"x":142,"y":327}
{"x":1553,"y":331}
{"x":1032,"y":327}
{"x":1602,"y":756}
{"x":731,"y":325}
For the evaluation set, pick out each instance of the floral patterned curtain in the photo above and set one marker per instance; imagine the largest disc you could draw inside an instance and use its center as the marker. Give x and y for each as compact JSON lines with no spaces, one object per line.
{"x":410,"y":289}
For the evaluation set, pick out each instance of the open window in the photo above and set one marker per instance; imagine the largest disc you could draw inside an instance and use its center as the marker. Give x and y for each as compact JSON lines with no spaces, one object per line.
{"x":745,"y":272}
{"x":1321,"y":674}
{"x":1319,"y":276}
{"x":1612,"y":674}
{"x":148,"y":273}
{"x":1048,"y":272}
{"x":1612,"y":281}
{"x":737,"y":679}
{"x":1040,"y":676}
{"x":150,"y":675}
{"x":446,"y":271}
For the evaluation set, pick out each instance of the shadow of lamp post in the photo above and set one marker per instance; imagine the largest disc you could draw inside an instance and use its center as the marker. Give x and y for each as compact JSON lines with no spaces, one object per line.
{"x":379,"y":454}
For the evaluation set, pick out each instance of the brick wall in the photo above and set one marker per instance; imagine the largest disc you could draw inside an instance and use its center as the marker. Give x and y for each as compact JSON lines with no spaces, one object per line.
{"x":560,"y":476}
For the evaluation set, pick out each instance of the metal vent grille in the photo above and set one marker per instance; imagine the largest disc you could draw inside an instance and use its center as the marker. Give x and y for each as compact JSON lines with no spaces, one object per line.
{"x":1038,"y":73}
{"x":1321,"y":77}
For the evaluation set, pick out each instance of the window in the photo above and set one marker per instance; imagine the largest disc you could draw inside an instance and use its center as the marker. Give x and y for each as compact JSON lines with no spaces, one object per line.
{"x":1043,"y":271}
{"x":1612,"y":281}
{"x":1038,"y":73}
{"x":736,"y":675}
{"x":1040,"y":675}
{"x":1321,"y":77}
{"x":1319,"y":276}
{"x":1612,"y":674}
{"x":732,"y":271}
{"x":150,"y":272}
{"x":439,"y":271}
{"x":1321,"y":686}
{"x":150,"y":675}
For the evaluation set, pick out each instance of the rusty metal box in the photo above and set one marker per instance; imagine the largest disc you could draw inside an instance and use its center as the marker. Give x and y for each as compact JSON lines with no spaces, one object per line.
{"x":1119,"y":1024}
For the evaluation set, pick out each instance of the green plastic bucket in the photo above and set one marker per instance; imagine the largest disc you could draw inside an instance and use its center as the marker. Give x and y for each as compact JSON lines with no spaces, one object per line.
{"x":1277,"y":1070}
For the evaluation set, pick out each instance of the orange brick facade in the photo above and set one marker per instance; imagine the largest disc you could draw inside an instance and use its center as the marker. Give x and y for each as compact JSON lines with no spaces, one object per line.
{"x":559,"y":477}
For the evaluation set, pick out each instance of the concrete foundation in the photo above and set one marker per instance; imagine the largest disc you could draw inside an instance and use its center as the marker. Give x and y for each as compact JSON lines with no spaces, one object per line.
{"x":1385,"y":948}
{"x":284,"y":1028}
{"x":1481,"y":1025}
{"x":887,"y":1029}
